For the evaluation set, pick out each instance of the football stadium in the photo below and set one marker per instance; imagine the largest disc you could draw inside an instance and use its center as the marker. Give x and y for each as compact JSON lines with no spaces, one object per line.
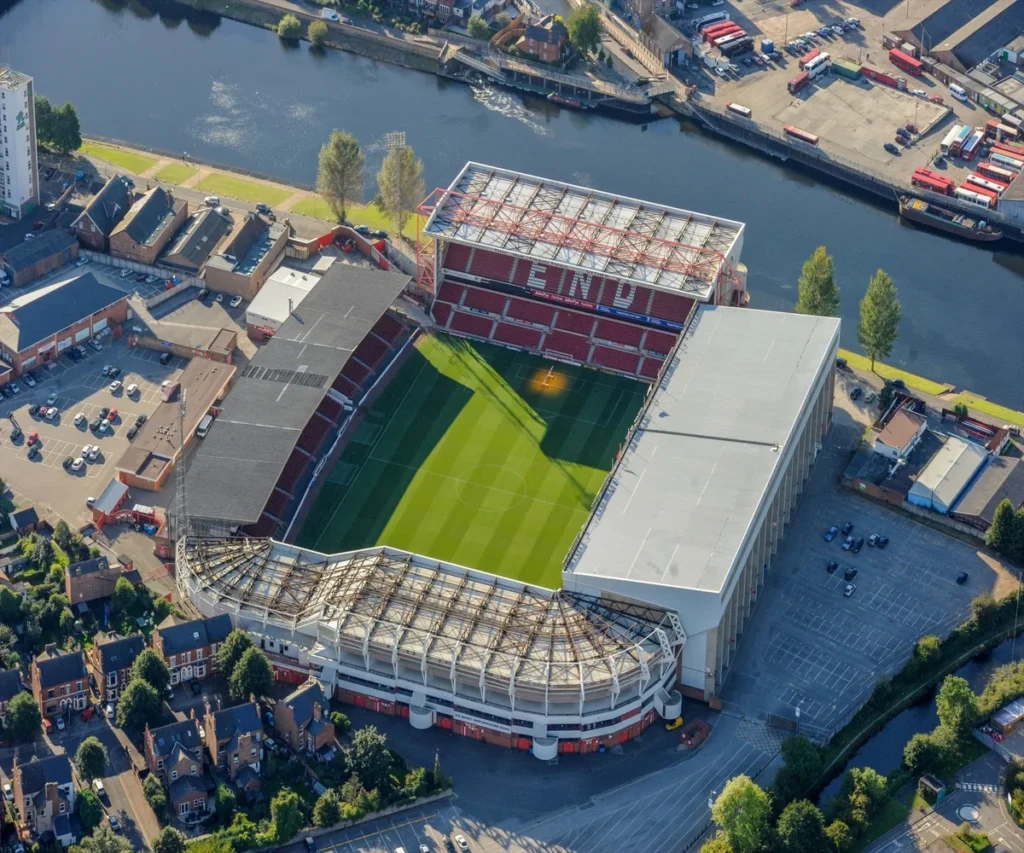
{"x":537,"y":515}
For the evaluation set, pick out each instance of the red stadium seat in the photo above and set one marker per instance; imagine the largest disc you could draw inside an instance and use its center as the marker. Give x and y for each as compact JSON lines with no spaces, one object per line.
{"x":485,"y":300}
{"x":442,"y":313}
{"x":313,"y":433}
{"x":530,"y":312}
{"x":563,"y":343}
{"x":457,"y":257}
{"x":346,"y":386}
{"x":370,"y":351}
{"x":472,"y":324}
{"x":355,"y":371}
{"x":451,"y":292}
{"x":620,"y":333}
{"x":487,"y":264}
{"x":616,"y":359}
{"x":388,"y":328}
{"x":264,"y":527}
{"x":660,"y":342}
{"x":651,"y":367}
{"x":670,"y":306}
{"x":518,"y":336}
{"x":277,"y":503}
{"x":293,"y":468}
{"x":573,"y":321}
{"x":330,"y":409}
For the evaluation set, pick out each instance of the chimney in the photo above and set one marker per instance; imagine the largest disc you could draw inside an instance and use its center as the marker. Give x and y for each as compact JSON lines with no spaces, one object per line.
{"x":218,"y":703}
{"x":50,"y":648}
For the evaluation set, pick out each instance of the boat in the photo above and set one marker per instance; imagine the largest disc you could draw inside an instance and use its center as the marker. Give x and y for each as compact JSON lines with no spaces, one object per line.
{"x":567,"y":102}
{"x":960,"y":224}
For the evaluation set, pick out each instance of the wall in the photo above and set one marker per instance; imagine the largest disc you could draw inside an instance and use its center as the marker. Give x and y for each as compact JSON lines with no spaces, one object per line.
{"x":46,"y":351}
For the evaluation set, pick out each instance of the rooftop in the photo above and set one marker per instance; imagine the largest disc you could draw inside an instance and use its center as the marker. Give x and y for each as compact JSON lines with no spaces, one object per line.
{"x":11,"y":79}
{"x":25,"y":255}
{"x":1002,"y":479}
{"x":183,"y":636}
{"x":584,"y":229}
{"x":117,"y":652}
{"x":165,"y":738}
{"x":57,"y":667}
{"x":37,"y":772}
{"x":234,"y":472}
{"x":248,"y":246}
{"x":150,"y":217}
{"x":719,"y":426}
{"x":443,"y":617}
{"x":197,"y":239}
{"x":281,"y":293}
{"x":949,"y":471}
{"x":902,"y":427}
{"x":109,"y":204}
{"x":33,"y":317}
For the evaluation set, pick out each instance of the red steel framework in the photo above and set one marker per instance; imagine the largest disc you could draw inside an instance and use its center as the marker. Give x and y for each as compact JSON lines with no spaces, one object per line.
{"x":566,"y":232}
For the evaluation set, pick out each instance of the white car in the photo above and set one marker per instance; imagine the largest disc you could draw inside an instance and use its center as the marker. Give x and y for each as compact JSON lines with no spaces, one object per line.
{"x":60,"y":722}
{"x":330,"y":15}
{"x":98,"y":786}
{"x":110,"y":710}
{"x":30,"y":380}
{"x":52,"y":399}
{"x":95,"y":344}
{"x":461,"y":843}
{"x":104,"y":426}
{"x":94,"y":453}
{"x":212,"y":200}
{"x":78,"y":464}
{"x":220,"y":297}
{"x":126,"y":273}
{"x":89,"y":502}
{"x":838,"y":30}
{"x":151,"y":278}
{"x":106,"y":369}
{"x":14,"y":388}
{"x":921,"y":93}
{"x":132,"y":390}
{"x":81,"y":262}
{"x":30,"y":237}
{"x":79,"y":419}
{"x":51,"y":413}
{"x":235,"y":301}
{"x":8,"y":792}
{"x":850,"y":590}
{"x":115,"y":386}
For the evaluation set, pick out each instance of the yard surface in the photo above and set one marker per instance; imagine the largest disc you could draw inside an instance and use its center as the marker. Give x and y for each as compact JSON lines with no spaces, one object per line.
{"x":358,"y":214}
{"x":479,"y":456}
{"x":232,"y":186}
{"x":176,"y":173}
{"x":130,"y":160}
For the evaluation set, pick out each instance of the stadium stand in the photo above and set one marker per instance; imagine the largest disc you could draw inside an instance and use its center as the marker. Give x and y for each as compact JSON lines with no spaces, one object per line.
{"x":651,"y":367}
{"x":388,"y":329}
{"x":330,"y":409}
{"x":345,"y":386}
{"x":472,"y":324}
{"x":451,"y":292}
{"x":293,"y":469}
{"x":518,"y":336}
{"x":370,"y":351}
{"x":530,"y":312}
{"x":277,"y":504}
{"x":355,"y":371}
{"x":485,"y":300}
{"x":313,"y":434}
{"x":563,"y":343}
{"x":619,"y":333}
{"x":264,"y":527}
{"x":457,"y":257}
{"x":490,"y":265}
{"x":571,"y":321}
{"x":659,"y":342}
{"x":442,"y":313}
{"x":616,"y":359}
{"x":669,"y":306}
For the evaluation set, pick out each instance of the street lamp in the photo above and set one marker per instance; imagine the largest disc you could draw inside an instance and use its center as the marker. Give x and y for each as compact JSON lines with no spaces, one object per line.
{"x":396,"y":140}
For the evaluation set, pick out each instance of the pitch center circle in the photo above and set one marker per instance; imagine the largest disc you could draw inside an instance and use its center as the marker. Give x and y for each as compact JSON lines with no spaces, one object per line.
{"x":491,"y":488}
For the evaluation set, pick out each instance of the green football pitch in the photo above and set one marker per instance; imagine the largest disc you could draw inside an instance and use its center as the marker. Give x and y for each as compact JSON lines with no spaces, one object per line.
{"x":476,"y":455}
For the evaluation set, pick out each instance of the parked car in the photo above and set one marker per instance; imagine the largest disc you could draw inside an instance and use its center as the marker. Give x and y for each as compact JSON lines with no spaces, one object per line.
{"x":882,"y":541}
{"x":132,"y":390}
{"x":460,"y":840}
{"x":831,"y":534}
{"x":165,"y":357}
{"x":33,"y":438}
{"x":263,"y":208}
{"x":106,"y":369}
{"x":962,"y":578}
{"x":850,"y":574}
{"x":132,"y":432}
{"x":114,"y":825}
{"x":849,"y":590}
{"x":212,"y":200}
{"x":81,"y":262}
{"x":140,"y":420}
{"x":152,"y":278}
{"x":115,"y":386}
{"x":847,"y":528}
{"x":94,"y":424}
{"x":235,"y":301}
{"x":831,"y":566}
{"x":94,"y":453}
{"x":34,"y":410}
{"x":891,"y":148}
{"x":196,"y":687}
{"x":30,"y":380}
{"x":100,"y":788}
{"x":848,"y":543}
{"x":855,"y":392}
{"x":86,"y":715}
{"x":126,"y":273}
{"x":15,"y":388}
{"x":68,"y":462}
{"x":61,"y":725}
{"x":219,"y":297}
{"x":51,"y":413}
{"x":310,"y":844}
{"x":872,"y":540}
{"x":857,"y":544}
{"x":112,"y":415}
{"x":8,"y":792}
{"x":114,"y":372}
{"x":110,"y":710}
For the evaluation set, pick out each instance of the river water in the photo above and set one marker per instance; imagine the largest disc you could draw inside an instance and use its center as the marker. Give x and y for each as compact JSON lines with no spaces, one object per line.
{"x":153,"y":73}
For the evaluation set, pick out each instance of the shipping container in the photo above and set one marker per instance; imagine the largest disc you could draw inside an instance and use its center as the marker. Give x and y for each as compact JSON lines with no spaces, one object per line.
{"x":739,"y":109}
{"x":714,"y":18}
{"x":846,"y":68}
{"x":798,"y":82}
{"x":905,"y":62}
{"x":880,"y":76}
{"x":909,"y":49}
{"x":949,"y":139}
{"x":998,"y":187}
{"x":1000,"y":173}
{"x":971,"y":197}
{"x":802,"y":135}
{"x":1006,"y":162}
{"x":971,"y":146}
{"x":808,"y":58}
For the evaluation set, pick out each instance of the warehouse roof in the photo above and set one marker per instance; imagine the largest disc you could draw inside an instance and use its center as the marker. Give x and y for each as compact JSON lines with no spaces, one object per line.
{"x":585,"y":229}
{"x":276,"y":394}
{"x":150,"y":216}
{"x":33,"y":317}
{"x":197,"y":239}
{"x":678,"y":507}
{"x":949,"y":471}
{"x":26,"y":255}
{"x":281,"y":293}
{"x":1002,"y":479}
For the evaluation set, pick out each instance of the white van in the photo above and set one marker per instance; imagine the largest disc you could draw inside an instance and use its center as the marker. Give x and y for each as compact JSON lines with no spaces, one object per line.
{"x":958,"y":92}
{"x":4,"y":280}
{"x":204,"y":426}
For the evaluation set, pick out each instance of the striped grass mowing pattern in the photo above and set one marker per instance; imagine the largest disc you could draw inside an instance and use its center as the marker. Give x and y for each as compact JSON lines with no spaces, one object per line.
{"x":479,"y":456}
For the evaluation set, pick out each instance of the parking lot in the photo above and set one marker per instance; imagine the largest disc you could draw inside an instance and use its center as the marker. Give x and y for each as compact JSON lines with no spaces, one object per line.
{"x":79,"y":388}
{"x":810,"y":648}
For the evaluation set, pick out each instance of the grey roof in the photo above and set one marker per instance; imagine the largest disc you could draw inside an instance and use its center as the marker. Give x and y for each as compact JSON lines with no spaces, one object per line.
{"x":548,"y":29}
{"x":240,"y":720}
{"x":947,"y":19}
{"x":57,"y":667}
{"x":109,"y":205}
{"x":246,"y":775}
{"x":235,"y":469}
{"x":36,"y":773}
{"x":248,"y":246}
{"x":182,"y":636}
{"x":977,"y":41}
{"x":197,"y":238}
{"x":33,"y":317}
{"x":10,"y":684}
{"x":61,"y":825}
{"x":186,"y":786}
{"x":1003,"y":478}
{"x":150,"y":216}
{"x":88,"y":567}
{"x":24,"y":517}
{"x":948,"y":472}
{"x":185,"y":733}
{"x":317,"y":726}
{"x":117,"y":652}
{"x":110,"y":497}
{"x":680,"y":504}
{"x":302,"y":700}
{"x":49,"y":243}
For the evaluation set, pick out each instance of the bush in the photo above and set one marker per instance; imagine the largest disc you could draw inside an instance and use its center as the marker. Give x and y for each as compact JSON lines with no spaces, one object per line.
{"x":289,"y":27}
{"x":342,"y":724}
{"x":317,"y":33}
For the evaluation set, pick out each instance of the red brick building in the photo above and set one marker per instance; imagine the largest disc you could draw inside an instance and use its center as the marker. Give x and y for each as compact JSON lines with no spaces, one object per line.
{"x":302,"y":719}
{"x":108,"y":207}
{"x":544,"y":39}
{"x":190,"y":648}
{"x":110,"y":660}
{"x":59,"y":681}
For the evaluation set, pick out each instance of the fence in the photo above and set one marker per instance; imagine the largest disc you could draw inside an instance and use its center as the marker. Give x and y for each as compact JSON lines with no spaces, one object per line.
{"x":184,"y":281}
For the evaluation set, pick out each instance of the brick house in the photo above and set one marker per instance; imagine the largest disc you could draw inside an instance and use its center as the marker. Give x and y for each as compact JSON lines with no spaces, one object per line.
{"x":110,"y":662}
{"x":190,"y":648}
{"x":234,"y":739}
{"x":196,"y":240}
{"x":544,"y":39}
{"x":94,"y":225}
{"x":10,"y":686}
{"x":302,"y":719}
{"x":248,"y":258}
{"x":50,"y":250}
{"x":59,"y":680}
{"x":148,"y":227}
{"x":174,"y":754}
{"x":44,"y":793}
{"x":93,"y":579}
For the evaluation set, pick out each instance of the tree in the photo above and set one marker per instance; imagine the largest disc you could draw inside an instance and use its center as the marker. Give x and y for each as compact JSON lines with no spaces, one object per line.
{"x":584,"y":27}
{"x":984,"y":609}
{"x":743,"y":810}
{"x":225,"y":803}
{"x":801,"y":768}
{"x":285,"y":815}
{"x":91,"y":758}
{"x":342,"y":724}
{"x":400,"y":182}
{"x":169,"y":841}
{"x":10,"y":606}
{"x":368,"y":758}
{"x":928,"y":648}
{"x":62,"y":535}
{"x":327,"y":810}
{"x":839,"y":836}
{"x":125,"y":598}
{"x":150,"y":667}
{"x":801,"y":828}
{"x":138,"y":704}
{"x":253,"y":675}
{"x":863,"y":789}
{"x":103,"y":840}
{"x":1001,"y":535}
{"x":23,"y":717}
{"x":231,"y":650}
{"x":502,"y":20}
{"x":317,"y":33}
{"x":339,"y":177}
{"x":42,"y":552}
{"x":1018,"y":538}
{"x":478,"y":28}
{"x":818,"y":291}
{"x":289,"y":27}
{"x":718,"y":844}
{"x":67,"y":131}
{"x":922,"y":754}
{"x":90,"y":810}
{"x":155,"y":795}
{"x":44,"y":119}
{"x":957,"y":706}
{"x":879,"y":317}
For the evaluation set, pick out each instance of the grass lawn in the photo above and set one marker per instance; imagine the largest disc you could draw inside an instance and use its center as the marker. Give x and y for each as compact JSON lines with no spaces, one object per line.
{"x":918,"y":383}
{"x":231,"y":186}
{"x":128,"y":160}
{"x":479,"y":456}
{"x":176,"y":173}
{"x":1000,"y":413}
{"x":892,"y":815}
{"x":357,"y":214}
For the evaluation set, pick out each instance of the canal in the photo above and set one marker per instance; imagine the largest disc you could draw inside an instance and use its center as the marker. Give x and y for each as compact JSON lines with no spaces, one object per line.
{"x":152,"y":73}
{"x":884,"y":750}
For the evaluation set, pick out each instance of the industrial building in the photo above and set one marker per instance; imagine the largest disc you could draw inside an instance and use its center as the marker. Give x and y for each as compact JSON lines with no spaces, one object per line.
{"x":248,"y":258}
{"x":50,"y":250}
{"x":1002,"y":479}
{"x":281,"y":294}
{"x":947,"y":475}
{"x":19,"y":193}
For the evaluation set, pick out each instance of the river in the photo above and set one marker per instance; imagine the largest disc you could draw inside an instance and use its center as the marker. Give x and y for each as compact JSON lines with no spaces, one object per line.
{"x":234,"y":94}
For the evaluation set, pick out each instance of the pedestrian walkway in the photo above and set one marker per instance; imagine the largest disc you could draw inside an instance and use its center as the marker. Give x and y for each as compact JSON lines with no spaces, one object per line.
{"x":978,"y":786}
